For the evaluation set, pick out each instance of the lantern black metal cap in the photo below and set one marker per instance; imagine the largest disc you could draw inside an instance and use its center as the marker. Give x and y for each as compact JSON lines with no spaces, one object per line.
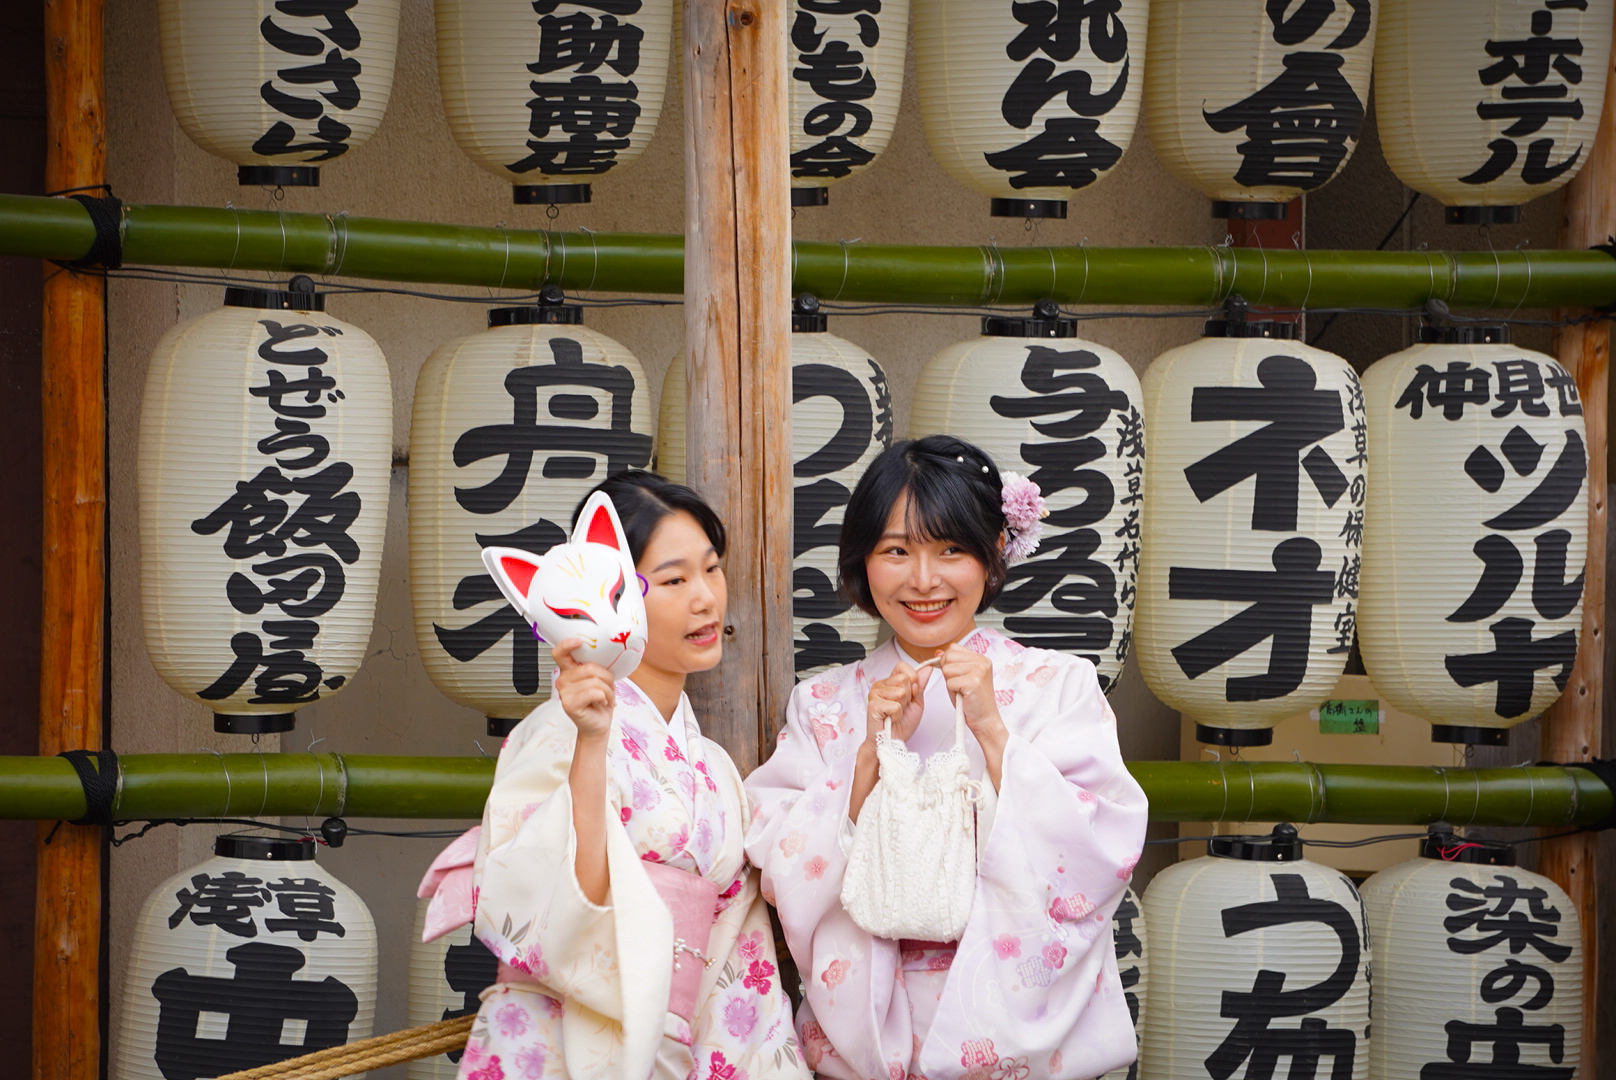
{"x":278,"y":175}
{"x":1222,"y":736}
{"x":1029,"y":208}
{"x":1470,"y":736}
{"x":551,"y":310}
{"x":1281,"y":845}
{"x":549,"y":194}
{"x":1464,"y":335}
{"x":1441,"y":844}
{"x":299,"y":295}
{"x":806,"y":318}
{"x":1242,"y":210}
{"x":253,"y":723}
{"x":272,"y":848}
{"x":1273,"y":329}
{"x":810,"y":196}
{"x":501,"y":726}
{"x":1046,"y":321}
{"x":1482,"y":215}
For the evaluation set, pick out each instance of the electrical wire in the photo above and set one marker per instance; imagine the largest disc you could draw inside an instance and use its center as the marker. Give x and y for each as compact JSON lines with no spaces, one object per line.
{"x":311,"y":832}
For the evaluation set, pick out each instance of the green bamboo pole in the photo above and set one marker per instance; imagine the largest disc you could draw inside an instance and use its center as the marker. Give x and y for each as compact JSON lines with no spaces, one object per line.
{"x":374,"y":248}
{"x":321,"y":785}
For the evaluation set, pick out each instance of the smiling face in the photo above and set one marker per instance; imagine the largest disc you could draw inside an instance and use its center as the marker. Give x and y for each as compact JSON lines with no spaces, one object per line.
{"x":685,"y":598}
{"x":927,"y":590}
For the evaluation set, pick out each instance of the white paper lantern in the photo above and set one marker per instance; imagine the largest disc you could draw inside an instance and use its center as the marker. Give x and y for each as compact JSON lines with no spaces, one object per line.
{"x":846,"y":61}
{"x":512,"y":428}
{"x":1254,"y":102}
{"x":1248,"y":580}
{"x":1029,"y":102}
{"x":278,"y":86}
{"x":1478,"y":968}
{"x":1477,"y":532}
{"x":253,"y":957}
{"x":841,"y":419}
{"x":446,"y":977}
{"x":1128,"y":935}
{"x":266,"y":441}
{"x":551,"y":95}
{"x":1487,"y":104}
{"x":1067,"y":413}
{"x":1260,"y":962}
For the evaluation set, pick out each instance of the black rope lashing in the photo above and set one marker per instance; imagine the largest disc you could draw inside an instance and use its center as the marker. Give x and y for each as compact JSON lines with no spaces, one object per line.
{"x":99,"y":781}
{"x":106,"y":214}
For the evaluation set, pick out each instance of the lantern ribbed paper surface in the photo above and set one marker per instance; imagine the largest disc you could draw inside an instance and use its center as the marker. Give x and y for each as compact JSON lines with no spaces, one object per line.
{"x":1478,"y":972}
{"x":1259,"y":968}
{"x":846,"y":80}
{"x":1020,"y":105}
{"x":512,"y":428}
{"x":446,"y":977}
{"x":1489,"y":103}
{"x":1065,"y":412}
{"x":1128,"y":933}
{"x":1476,"y":534}
{"x":266,"y":442}
{"x":272,"y":83}
{"x":1248,"y":577}
{"x":253,"y":957}
{"x":557,"y":98}
{"x":841,"y":418}
{"x":1251,"y":101}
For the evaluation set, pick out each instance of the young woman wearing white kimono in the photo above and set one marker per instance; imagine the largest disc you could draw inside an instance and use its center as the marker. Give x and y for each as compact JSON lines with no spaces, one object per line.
{"x":1030,"y":990}
{"x":597,"y":785}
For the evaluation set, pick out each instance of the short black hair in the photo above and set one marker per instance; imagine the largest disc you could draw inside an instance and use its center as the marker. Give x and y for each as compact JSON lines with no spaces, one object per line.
{"x":953,"y":492}
{"x":644,"y":498}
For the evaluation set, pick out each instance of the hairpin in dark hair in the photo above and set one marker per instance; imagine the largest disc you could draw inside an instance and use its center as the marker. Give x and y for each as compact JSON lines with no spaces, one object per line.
{"x":644,"y":498}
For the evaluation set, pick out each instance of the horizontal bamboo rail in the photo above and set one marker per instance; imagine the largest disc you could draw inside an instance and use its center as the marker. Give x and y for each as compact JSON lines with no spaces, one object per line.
{"x":424,"y":252}
{"x":164,"y":786}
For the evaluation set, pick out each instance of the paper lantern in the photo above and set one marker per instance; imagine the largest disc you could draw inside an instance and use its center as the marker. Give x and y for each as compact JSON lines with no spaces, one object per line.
{"x":278,"y":86}
{"x":1478,"y":967}
{"x":1128,"y":934}
{"x":266,"y":442}
{"x":446,"y":977}
{"x":1477,"y":532}
{"x":1254,"y":102}
{"x":1260,"y":957}
{"x":846,"y":79}
{"x":1248,"y":580}
{"x":1028,"y":103}
{"x":253,"y":957}
{"x":1486,"y":104}
{"x":549,"y":96}
{"x":841,"y":418}
{"x":512,"y":428}
{"x":1066,"y":412}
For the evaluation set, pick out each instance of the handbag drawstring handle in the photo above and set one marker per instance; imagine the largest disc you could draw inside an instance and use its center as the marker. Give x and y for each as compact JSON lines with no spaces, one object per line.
{"x":973,"y":788}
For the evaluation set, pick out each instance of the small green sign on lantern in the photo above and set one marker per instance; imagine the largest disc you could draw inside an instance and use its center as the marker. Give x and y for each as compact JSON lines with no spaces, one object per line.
{"x":1340,"y":716}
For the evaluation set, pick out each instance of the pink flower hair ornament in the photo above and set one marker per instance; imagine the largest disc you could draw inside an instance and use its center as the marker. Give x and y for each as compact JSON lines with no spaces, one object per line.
{"x":1024,"y":513}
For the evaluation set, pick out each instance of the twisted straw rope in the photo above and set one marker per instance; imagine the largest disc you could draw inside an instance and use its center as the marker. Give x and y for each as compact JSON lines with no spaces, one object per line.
{"x":374,"y":1053}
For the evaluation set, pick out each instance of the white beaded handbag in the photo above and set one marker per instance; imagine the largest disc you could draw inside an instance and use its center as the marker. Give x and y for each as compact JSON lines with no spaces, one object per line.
{"x":912,"y":869}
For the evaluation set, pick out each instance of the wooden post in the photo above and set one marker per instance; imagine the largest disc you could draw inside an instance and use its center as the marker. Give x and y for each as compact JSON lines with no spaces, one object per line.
{"x":1571,"y":727}
{"x":67,"y":920}
{"x":738,"y":347}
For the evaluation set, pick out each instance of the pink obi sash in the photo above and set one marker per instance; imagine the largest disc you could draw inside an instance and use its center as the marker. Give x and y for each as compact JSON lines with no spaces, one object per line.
{"x":692,"y":901}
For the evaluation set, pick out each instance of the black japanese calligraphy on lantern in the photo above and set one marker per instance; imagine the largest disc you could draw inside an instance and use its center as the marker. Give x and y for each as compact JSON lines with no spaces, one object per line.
{"x":1536,"y":76}
{"x":468,"y":970}
{"x":832,"y":43}
{"x":1130,"y":954}
{"x":288,"y":524}
{"x":1252,"y":1039}
{"x":318,"y":83}
{"x":585,"y":106}
{"x":1064,"y":597}
{"x":1067,"y":149}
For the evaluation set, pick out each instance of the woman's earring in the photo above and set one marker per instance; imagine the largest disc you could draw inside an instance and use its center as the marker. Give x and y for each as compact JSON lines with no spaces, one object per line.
{"x":645,"y":586}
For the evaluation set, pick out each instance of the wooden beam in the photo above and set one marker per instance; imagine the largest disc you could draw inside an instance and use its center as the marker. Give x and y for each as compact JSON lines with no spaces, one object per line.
{"x":738,"y":348}
{"x":67,"y":921}
{"x":1571,"y":727}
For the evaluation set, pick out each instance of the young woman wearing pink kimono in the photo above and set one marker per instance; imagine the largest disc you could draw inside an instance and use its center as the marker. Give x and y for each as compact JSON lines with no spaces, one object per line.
{"x":601,"y":797}
{"x":1030,"y":990}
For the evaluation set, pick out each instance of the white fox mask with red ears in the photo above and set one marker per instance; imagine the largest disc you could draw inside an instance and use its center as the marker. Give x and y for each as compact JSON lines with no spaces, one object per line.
{"x":586,"y":589}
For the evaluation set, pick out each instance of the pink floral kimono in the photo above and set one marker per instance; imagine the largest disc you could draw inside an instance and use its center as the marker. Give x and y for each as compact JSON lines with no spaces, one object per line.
{"x":584,"y":988}
{"x":1031,"y":988}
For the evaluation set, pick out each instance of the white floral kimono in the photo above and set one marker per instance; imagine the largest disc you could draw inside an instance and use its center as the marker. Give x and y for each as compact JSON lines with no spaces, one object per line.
{"x":584,"y":990}
{"x":1031,"y":990}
